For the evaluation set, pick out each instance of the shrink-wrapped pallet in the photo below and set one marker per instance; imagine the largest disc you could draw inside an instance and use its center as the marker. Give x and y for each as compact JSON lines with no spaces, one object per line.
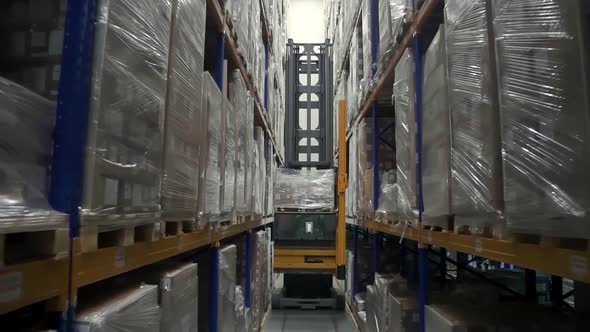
{"x":249,"y":141}
{"x":405,"y":138}
{"x":304,"y":189}
{"x":226,"y":298}
{"x":210,"y":183}
{"x":240,"y":308}
{"x":403,"y":313}
{"x":260,"y":172}
{"x":436,"y":169}
{"x":368,"y":68}
{"x":182,"y":142}
{"x":473,"y":99}
{"x":178,"y":294}
{"x":542,"y":58}
{"x":123,"y":162}
{"x":228,"y":166}
{"x":134,"y":309}
{"x":27,"y":123}
{"x":238,"y":98}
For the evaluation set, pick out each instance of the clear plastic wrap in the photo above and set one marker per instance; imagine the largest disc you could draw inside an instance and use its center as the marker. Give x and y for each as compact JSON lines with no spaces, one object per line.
{"x":372,"y":309}
{"x":131,"y":310}
{"x":123,"y":164}
{"x":260,"y":169}
{"x":405,"y":138}
{"x":304,"y":189}
{"x":178,"y":295}
{"x":240,"y":310}
{"x":27,"y":123}
{"x":259,"y":276}
{"x":249,"y":141}
{"x":386,"y":37}
{"x":183,"y":112}
{"x":387,"y":210}
{"x":227,"y":289}
{"x":401,"y":16}
{"x":228,"y":170}
{"x":368,"y":68}
{"x":238,"y":97}
{"x":436,"y":164}
{"x":544,"y":102}
{"x":352,"y":189}
{"x":475,"y":137}
{"x":211,"y":153}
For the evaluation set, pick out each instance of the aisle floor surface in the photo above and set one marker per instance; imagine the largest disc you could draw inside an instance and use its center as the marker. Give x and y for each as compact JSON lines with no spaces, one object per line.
{"x":308,"y":320}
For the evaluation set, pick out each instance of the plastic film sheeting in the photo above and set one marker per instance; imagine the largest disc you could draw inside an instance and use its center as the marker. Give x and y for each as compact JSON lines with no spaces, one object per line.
{"x":212,"y":152}
{"x":387,"y":210}
{"x":436,"y":164}
{"x":238,"y":98}
{"x":27,"y":123}
{"x":123,"y":164}
{"x":229,"y":158}
{"x":131,"y":310}
{"x":183,"y":111}
{"x":304,"y":189}
{"x":544,"y":106}
{"x":405,"y":138}
{"x":475,"y":150}
{"x":227,"y":289}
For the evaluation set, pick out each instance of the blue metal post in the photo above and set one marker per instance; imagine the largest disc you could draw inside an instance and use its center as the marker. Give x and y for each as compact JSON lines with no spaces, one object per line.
{"x":377,"y":243}
{"x":214,"y":290}
{"x":423,"y":269}
{"x":220,"y":54}
{"x":375,"y":109}
{"x":248,"y":283}
{"x":71,"y":125}
{"x":355,"y":260}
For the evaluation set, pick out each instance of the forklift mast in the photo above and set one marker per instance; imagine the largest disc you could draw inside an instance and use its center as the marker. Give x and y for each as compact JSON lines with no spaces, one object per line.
{"x":309,"y":118}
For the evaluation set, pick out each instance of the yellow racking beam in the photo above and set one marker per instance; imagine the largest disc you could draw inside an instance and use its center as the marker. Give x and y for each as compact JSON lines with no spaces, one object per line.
{"x":567,"y":263}
{"x":25,"y":284}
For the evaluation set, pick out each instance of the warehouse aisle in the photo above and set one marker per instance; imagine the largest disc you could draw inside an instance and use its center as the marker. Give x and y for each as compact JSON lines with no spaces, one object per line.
{"x":308,"y":320}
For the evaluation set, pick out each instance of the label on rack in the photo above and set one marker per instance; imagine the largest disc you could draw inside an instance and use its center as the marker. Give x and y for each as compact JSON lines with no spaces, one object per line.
{"x":120,"y":257}
{"x":478,"y":245}
{"x":10,"y":286}
{"x":579,"y":266}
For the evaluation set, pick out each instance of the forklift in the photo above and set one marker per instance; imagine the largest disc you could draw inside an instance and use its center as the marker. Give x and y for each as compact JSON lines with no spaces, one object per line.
{"x":310,"y":242}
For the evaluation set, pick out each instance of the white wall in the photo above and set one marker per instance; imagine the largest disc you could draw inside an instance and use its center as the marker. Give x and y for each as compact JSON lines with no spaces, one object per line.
{"x":305,"y":21}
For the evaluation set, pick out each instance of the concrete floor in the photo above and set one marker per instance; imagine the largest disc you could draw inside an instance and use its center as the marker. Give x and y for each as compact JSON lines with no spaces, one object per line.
{"x":308,"y":320}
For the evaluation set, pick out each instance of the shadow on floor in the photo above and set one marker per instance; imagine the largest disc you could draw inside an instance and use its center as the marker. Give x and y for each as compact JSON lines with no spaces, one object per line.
{"x":308,"y":320}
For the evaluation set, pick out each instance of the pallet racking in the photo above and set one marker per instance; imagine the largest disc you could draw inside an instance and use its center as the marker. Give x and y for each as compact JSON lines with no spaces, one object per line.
{"x":55,"y":281}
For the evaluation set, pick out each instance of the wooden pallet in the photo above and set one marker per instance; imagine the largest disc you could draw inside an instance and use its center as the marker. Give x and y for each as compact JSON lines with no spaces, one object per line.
{"x":171,"y":228}
{"x":92,"y":239}
{"x":553,"y":242}
{"x":22,"y":247}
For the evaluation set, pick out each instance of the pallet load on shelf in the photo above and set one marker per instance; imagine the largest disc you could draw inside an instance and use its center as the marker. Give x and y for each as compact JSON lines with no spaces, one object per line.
{"x":436,"y":166}
{"x":390,"y":305}
{"x":133,"y":309}
{"x":238,"y":97}
{"x":356,"y":73}
{"x":394,"y":18}
{"x":209,"y":205}
{"x":349,"y":277}
{"x":249,"y":141}
{"x":259,"y":279}
{"x":178,"y":294}
{"x":544,"y":102}
{"x":240,"y":311}
{"x":32,"y":52}
{"x":368,"y":68}
{"x":477,"y":201}
{"x":353,"y":181}
{"x":228,"y":164}
{"x":226,"y":298}
{"x":260,"y":170}
{"x":237,"y":13}
{"x":405,"y":139}
{"x":387,"y":161}
{"x":183,"y":112}
{"x":304,"y":189}
{"x":27,"y":123}
{"x":124,"y":146}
